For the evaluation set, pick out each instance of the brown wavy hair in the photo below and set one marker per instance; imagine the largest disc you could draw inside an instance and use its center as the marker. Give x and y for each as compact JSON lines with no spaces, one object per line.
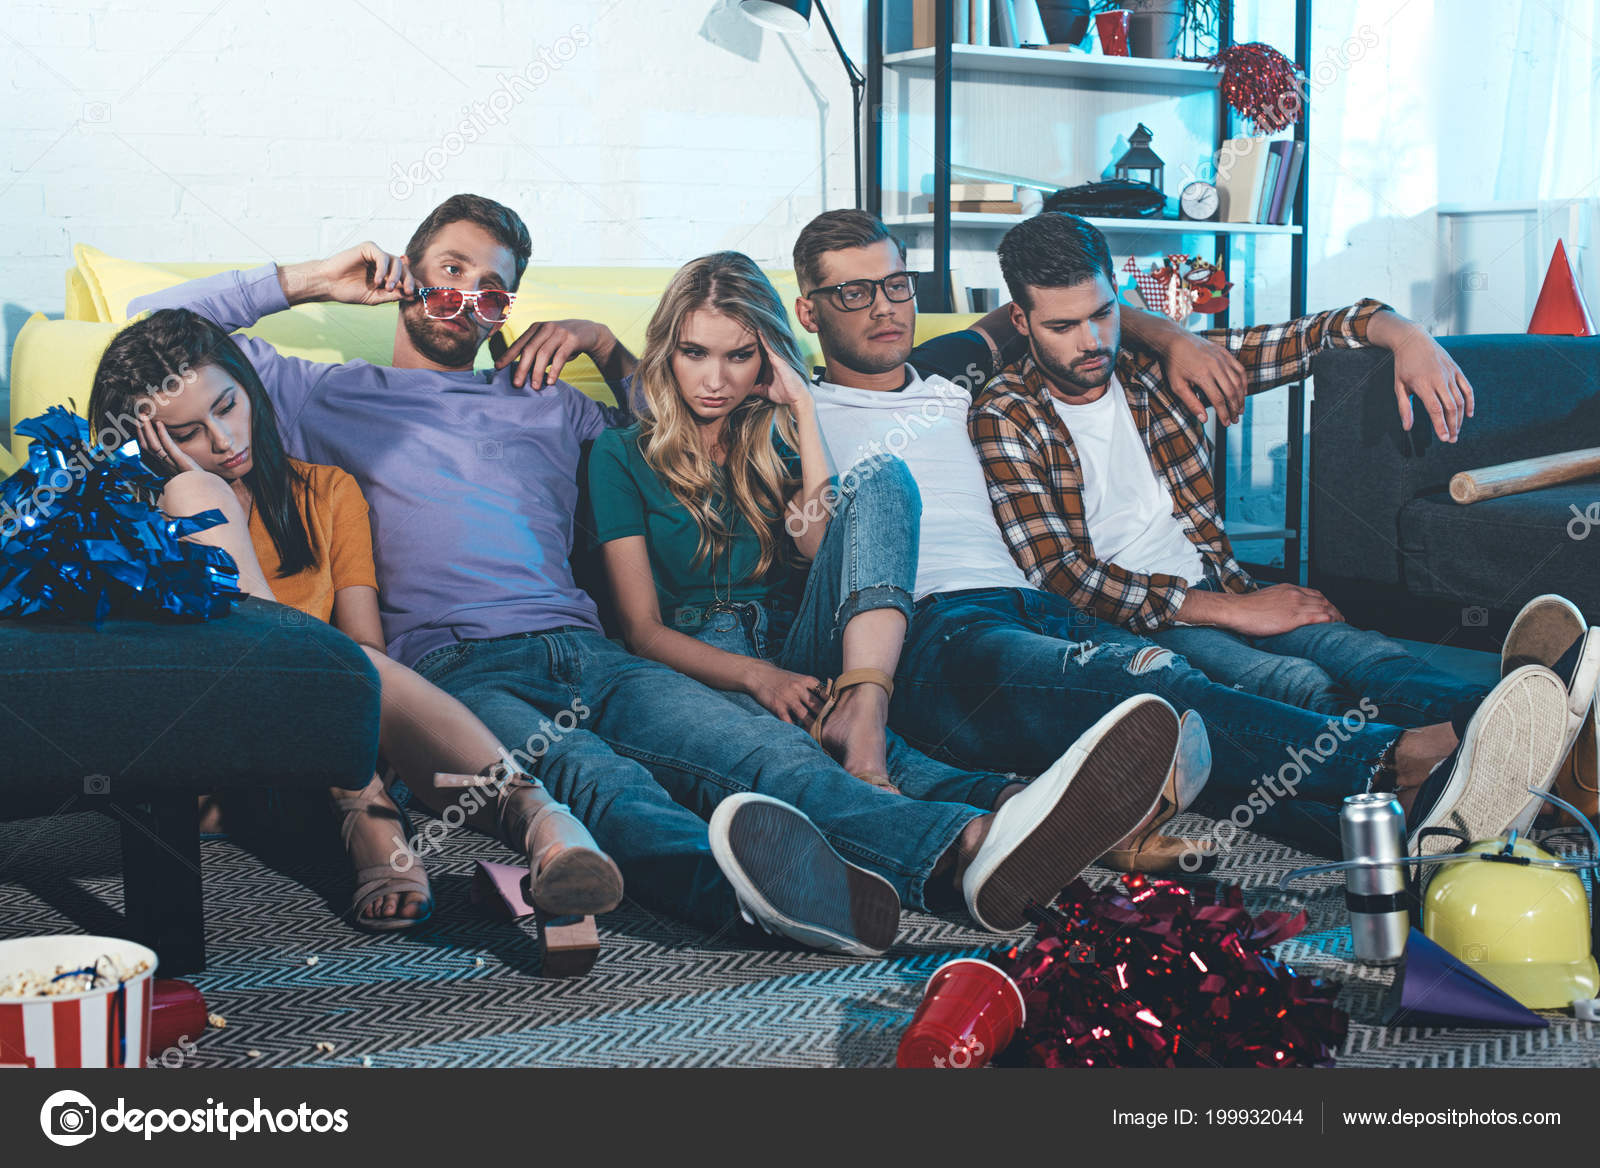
{"x":754,"y":474}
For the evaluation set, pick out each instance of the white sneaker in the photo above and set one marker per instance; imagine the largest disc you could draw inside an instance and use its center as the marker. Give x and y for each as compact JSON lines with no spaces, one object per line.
{"x":790,"y":881}
{"x":1545,"y":633}
{"x":1094,"y":795}
{"x":1515,"y":741}
{"x":1546,"y":628}
{"x":1191,"y":766}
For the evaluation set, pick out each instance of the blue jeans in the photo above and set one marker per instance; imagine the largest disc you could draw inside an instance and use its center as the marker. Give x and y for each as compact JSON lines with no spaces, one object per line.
{"x":1009,"y":677}
{"x":1327,"y":667}
{"x":643,"y":754}
{"x":868,"y":560}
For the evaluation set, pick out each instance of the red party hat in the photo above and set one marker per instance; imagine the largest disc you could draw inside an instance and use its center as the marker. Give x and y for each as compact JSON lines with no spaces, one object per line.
{"x":1560,"y":311}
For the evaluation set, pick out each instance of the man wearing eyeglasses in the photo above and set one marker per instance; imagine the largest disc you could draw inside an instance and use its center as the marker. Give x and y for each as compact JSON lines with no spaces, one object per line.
{"x":999,"y":674}
{"x":471,"y":477}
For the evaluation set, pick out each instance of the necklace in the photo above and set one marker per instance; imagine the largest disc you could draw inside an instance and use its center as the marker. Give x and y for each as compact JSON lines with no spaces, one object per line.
{"x":721,"y":603}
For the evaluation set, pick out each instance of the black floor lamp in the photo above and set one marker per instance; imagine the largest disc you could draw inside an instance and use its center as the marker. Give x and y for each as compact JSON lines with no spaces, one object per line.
{"x":792,"y":16}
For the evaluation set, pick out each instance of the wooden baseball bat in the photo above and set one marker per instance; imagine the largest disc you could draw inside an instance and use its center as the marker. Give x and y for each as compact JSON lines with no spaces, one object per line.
{"x":1530,"y":474}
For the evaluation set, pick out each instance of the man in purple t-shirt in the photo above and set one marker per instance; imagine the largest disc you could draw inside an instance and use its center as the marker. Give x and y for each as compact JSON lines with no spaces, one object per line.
{"x":471,"y":478}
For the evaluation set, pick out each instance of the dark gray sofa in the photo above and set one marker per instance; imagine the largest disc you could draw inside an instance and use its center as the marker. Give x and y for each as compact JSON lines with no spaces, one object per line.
{"x":139,"y":718}
{"x":1389,"y":546}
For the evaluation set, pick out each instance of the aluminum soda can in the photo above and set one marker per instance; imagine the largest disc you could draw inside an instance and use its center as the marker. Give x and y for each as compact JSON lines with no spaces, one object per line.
{"x":1372,"y":827}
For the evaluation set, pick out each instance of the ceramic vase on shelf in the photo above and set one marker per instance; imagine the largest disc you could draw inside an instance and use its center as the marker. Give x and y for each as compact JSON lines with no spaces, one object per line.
{"x":1155,"y":27}
{"x":1066,"y":22}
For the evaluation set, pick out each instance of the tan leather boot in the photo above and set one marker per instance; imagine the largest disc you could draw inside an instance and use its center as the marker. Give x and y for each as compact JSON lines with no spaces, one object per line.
{"x":1578,"y":781}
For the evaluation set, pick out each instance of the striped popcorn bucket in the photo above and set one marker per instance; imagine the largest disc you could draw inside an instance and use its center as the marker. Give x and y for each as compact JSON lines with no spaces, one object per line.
{"x":108,"y":1026}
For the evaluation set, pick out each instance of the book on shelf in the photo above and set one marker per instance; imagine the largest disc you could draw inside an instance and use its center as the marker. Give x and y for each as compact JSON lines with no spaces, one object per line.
{"x":1272,"y":197}
{"x":1283,"y":212}
{"x":981,"y":206}
{"x":971,"y":23}
{"x":1241,"y":167}
{"x":983,"y":300}
{"x":965,"y":192}
{"x":1269,"y":182}
{"x":1005,"y":24}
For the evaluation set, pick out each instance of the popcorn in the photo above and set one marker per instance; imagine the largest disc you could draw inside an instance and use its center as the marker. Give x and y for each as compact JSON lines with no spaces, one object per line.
{"x":325,"y":1048}
{"x":216,"y":1021}
{"x":107,"y":971}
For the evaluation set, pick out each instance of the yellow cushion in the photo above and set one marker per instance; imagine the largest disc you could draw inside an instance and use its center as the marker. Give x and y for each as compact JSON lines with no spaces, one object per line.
{"x":50,"y":364}
{"x":79,"y":303}
{"x":53,"y":364}
{"x":317,"y":332}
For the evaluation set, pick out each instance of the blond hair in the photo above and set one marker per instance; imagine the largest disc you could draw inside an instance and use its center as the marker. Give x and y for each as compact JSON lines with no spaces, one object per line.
{"x":728,"y":282}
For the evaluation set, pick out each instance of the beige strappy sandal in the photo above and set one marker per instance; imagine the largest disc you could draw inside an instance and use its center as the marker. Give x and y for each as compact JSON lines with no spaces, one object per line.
{"x":568,"y":874}
{"x":849,"y":679}
{"x":376,"y":880}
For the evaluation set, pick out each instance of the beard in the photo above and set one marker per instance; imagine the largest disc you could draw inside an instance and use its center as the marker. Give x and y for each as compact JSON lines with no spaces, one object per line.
{"x":852,"y":356}
{"x":437,"y":341}
{"x":1068,"y":378}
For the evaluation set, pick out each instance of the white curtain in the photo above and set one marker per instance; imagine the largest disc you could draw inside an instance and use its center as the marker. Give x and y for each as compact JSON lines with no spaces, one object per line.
{"x":1549,"y":141}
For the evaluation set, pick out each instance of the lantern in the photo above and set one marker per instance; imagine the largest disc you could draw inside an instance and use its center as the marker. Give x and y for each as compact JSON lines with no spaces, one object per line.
{"x":1140,"y":163}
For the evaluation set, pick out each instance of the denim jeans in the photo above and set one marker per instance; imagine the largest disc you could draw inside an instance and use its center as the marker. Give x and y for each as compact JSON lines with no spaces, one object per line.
{"x":1327,"y":667}
{"x":868,"y":560}
{"x":1010,"y":677}
{"x":644,"y":754}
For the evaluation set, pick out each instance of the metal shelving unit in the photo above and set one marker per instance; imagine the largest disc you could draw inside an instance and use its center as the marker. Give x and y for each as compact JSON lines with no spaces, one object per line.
{"x":947,"y":62}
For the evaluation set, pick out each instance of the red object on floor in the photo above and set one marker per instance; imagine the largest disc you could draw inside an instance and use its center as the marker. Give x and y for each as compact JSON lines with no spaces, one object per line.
{"x":969,"y":1013}
{"x":177,"y":1014}
{"x":1560,"y":310}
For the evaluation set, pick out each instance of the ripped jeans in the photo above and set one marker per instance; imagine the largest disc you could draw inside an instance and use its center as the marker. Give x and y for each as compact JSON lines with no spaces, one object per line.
{"x":1010,"y":677}
{"x":868,"y":560}
{"x":1325,"y":667}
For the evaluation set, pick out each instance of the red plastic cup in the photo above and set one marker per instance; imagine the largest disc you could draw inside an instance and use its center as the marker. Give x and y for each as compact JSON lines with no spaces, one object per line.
{"x":1113,"y":29}
{"x":969,"y":1012}
{"x":177,"y":1014}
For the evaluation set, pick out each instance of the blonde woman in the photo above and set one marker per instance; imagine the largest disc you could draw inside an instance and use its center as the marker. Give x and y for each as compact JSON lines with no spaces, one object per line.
{"x":709,"y":507}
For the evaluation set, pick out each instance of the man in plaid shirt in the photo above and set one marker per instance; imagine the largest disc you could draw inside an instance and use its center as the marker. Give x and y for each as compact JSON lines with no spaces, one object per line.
{"x":1100,"y":479}
{"x":1000,"y":672}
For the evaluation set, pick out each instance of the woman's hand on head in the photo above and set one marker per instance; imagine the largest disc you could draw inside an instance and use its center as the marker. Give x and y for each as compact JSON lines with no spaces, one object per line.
{"x":779,"y":382}
{"x":158,"y":446}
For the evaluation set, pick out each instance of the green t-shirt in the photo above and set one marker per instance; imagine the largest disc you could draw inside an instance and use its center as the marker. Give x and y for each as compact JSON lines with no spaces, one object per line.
{"x":629,"y":499}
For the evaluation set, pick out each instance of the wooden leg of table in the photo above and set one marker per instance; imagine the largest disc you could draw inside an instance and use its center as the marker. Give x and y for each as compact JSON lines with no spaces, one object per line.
{"x":161,"y":881}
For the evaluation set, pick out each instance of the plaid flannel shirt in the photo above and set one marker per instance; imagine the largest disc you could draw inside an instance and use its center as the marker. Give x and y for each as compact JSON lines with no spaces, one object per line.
{"x":1036,"y":484}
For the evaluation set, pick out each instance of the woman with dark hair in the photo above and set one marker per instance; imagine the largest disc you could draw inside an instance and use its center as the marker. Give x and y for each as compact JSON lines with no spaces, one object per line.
{"x":300,"y":536}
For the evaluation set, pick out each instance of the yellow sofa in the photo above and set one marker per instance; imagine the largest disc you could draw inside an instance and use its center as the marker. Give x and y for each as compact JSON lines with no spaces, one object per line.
{"x":53,"y":361}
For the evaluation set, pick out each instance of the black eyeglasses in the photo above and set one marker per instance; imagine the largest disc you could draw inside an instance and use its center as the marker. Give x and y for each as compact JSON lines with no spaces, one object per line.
{"x":854,"y":295}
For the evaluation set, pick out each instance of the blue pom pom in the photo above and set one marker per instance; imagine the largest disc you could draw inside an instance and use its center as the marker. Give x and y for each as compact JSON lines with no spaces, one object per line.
{"x":81,"y":537}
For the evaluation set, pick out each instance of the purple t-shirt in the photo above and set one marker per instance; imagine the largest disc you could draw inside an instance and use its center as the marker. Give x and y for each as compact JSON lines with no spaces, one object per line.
{"x":472,"y":482}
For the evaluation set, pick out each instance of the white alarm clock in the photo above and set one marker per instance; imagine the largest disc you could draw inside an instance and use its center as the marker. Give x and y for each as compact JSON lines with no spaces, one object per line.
{"x":1199,"y":200}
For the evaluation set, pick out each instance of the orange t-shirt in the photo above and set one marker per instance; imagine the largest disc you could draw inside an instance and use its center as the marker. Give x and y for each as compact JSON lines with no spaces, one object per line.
{"x":335,"y":514}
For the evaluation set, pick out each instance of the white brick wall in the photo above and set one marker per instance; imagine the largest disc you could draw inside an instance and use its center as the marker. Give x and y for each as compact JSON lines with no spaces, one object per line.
{"x":620,"y":129}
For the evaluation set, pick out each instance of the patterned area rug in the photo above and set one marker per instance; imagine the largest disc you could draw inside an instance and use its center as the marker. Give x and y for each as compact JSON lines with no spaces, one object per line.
{"x":287,"y":974}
